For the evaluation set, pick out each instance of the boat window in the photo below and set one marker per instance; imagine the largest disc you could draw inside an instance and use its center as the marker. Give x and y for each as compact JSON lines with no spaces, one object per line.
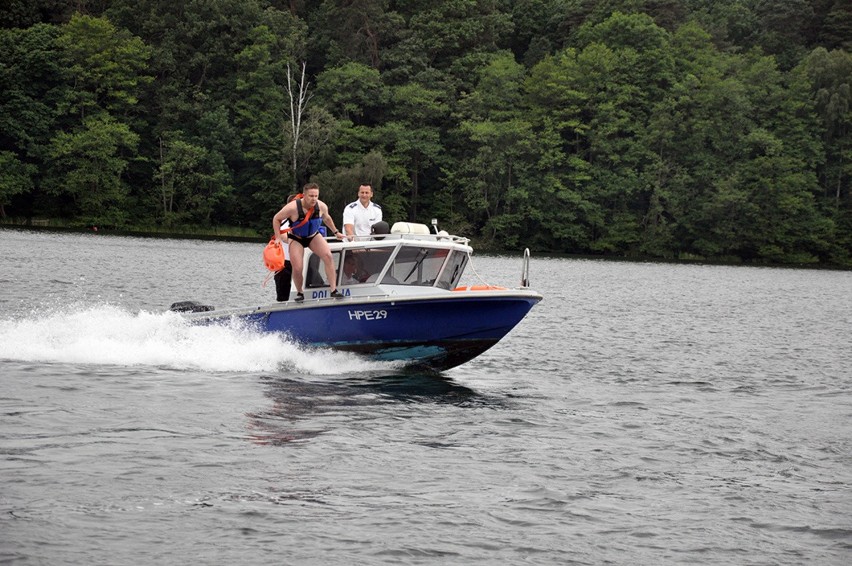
{"x":412,"y":265}
{"x":359,"y":265}
{"x":416,"y":266}
{"x":452,"y":273}
{"x":315,"y":271}
{"x":373,"y":262}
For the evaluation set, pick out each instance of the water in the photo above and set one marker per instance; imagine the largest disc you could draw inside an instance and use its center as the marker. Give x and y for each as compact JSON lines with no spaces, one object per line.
{"x":641,"y":414}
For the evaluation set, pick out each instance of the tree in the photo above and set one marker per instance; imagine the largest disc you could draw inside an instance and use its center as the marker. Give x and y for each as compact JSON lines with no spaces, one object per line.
{"x":411,"y":138}
{"x":107,"y":66}
{"x":492,"y":171}
{"x":558,"y":91}
{"x":298,"y":98}
{"x":177,"y":175}
{"x":836,"y":31}
{"x":625,"y":66}
{"x":829,"y":76}
{"x":31,"y":84}
{"x":263,"y":168}
{"x":87,"y":165}
{"x":15,"y":178}
{"x":193,"y":180}
{"x":353,"y":92}
{"x":24,"y":14}
{"x":351,"y":32}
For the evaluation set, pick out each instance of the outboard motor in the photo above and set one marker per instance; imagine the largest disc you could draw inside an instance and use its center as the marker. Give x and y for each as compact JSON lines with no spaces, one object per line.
{"x":190,"y":306}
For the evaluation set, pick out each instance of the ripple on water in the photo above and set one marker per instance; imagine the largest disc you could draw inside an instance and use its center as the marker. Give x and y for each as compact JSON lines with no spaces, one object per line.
{"x":641,"y":414}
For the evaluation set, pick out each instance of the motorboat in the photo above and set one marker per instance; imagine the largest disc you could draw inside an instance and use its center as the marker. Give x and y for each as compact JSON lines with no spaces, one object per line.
{"x":403,"y":301}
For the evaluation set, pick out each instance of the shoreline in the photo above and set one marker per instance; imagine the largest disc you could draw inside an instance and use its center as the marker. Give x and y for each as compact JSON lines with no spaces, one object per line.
{"x":224,"y":237}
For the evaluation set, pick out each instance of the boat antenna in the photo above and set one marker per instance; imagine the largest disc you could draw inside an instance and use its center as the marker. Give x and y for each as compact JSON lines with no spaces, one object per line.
{"x":435,"y":225}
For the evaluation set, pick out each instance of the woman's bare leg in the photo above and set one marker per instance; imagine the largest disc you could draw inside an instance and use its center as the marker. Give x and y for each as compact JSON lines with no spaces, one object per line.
{"x":320,"y":248}
{"x":297,"y":262}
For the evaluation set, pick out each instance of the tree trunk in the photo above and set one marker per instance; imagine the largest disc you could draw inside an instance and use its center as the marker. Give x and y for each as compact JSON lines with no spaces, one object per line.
{"x":415,"y":188}
{"x":162,"y":178}
{"x":298,"y":104}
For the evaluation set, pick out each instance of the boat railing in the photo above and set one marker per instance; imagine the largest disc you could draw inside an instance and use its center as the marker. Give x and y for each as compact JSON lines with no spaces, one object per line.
{"x":396,"y":237}
{"x":525,"y":269}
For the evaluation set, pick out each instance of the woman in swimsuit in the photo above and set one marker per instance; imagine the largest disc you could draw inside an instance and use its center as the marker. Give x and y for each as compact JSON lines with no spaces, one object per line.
{"x":306,"y":215}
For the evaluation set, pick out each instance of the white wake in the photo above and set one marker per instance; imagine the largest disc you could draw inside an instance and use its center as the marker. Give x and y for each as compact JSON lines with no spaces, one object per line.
{"x":108,"y":335}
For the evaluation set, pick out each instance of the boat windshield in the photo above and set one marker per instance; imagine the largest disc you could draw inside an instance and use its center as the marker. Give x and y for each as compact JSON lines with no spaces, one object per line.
{"x":453,"y":270}
{"x":416,"y":266}
{"x":412,"y":265}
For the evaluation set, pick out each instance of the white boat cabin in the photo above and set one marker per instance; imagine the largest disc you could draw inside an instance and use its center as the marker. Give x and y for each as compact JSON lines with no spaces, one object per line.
{"x":409,"y":256}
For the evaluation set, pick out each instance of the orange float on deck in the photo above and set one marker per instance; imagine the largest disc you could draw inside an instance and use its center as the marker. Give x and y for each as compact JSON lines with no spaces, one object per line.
{"x":480,"y":288}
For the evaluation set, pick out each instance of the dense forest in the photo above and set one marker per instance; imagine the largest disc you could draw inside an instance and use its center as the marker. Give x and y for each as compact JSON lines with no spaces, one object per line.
{"x":685,"y":129}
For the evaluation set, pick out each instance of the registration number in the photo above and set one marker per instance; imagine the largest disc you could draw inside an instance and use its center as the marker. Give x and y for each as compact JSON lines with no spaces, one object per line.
{"x":368,"y":315}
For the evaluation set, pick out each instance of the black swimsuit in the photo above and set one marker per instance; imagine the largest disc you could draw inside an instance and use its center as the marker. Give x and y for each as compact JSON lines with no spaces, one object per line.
{"x":304,"y":240}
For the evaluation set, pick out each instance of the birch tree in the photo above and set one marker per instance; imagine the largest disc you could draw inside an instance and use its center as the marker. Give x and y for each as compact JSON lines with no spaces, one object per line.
{"x":298,"y":106}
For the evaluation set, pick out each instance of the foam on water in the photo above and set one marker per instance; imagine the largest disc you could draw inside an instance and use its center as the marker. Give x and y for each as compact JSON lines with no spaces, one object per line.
{"x":109,"y":335}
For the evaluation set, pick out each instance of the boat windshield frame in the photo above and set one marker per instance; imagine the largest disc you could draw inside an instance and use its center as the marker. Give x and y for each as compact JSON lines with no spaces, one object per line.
{"x":410,"y":260}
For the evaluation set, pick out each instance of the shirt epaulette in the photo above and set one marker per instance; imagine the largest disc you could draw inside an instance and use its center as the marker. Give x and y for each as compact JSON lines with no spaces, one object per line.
{"x":353,"y":204}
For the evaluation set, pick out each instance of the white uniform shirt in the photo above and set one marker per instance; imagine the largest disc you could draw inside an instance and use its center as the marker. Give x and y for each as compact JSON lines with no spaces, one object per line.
{"x":362,"y":218}
{"x":286,"y":224}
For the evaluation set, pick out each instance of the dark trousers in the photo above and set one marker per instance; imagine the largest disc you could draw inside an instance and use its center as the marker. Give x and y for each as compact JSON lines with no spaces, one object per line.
{"x":282,"y":282}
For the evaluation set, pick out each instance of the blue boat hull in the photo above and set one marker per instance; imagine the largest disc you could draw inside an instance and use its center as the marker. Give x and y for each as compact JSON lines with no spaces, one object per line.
{"x":438,"y":333}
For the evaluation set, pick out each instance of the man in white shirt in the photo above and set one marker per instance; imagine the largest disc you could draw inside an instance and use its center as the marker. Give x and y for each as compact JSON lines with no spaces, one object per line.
{"x":359,"y":216}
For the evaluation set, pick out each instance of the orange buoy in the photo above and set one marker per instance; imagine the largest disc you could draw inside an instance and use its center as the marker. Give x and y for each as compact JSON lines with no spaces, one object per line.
{"x":480,"y":288}
{"x":273,"y":255}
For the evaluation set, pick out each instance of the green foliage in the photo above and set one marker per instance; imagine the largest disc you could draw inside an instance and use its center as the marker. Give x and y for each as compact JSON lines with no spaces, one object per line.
{"x":491,"y":171}
{"x":105,"y":65}
{"x":411,"y":139}
{"x":30,"y":92}
{"x":663,"y":128}
{"x":27,"y":13}
{"x":15,"y":178}
{"x":192,"y":181}
{"x":340,"y":186}
{"x":86,"y":165}
{"x":259,"y":123}
{"x":351,"y":91}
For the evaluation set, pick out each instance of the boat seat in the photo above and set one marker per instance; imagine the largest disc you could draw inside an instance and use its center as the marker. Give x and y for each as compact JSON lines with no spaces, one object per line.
{"x":409,"y":228}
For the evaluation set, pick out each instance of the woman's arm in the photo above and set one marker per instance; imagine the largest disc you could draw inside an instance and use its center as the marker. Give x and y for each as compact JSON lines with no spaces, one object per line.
{"x":281,"y":216}
{"x":328,"y":220}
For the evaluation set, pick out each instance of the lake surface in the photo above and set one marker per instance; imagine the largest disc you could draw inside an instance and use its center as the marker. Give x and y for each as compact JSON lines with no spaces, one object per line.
{"x":641,"y":414}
